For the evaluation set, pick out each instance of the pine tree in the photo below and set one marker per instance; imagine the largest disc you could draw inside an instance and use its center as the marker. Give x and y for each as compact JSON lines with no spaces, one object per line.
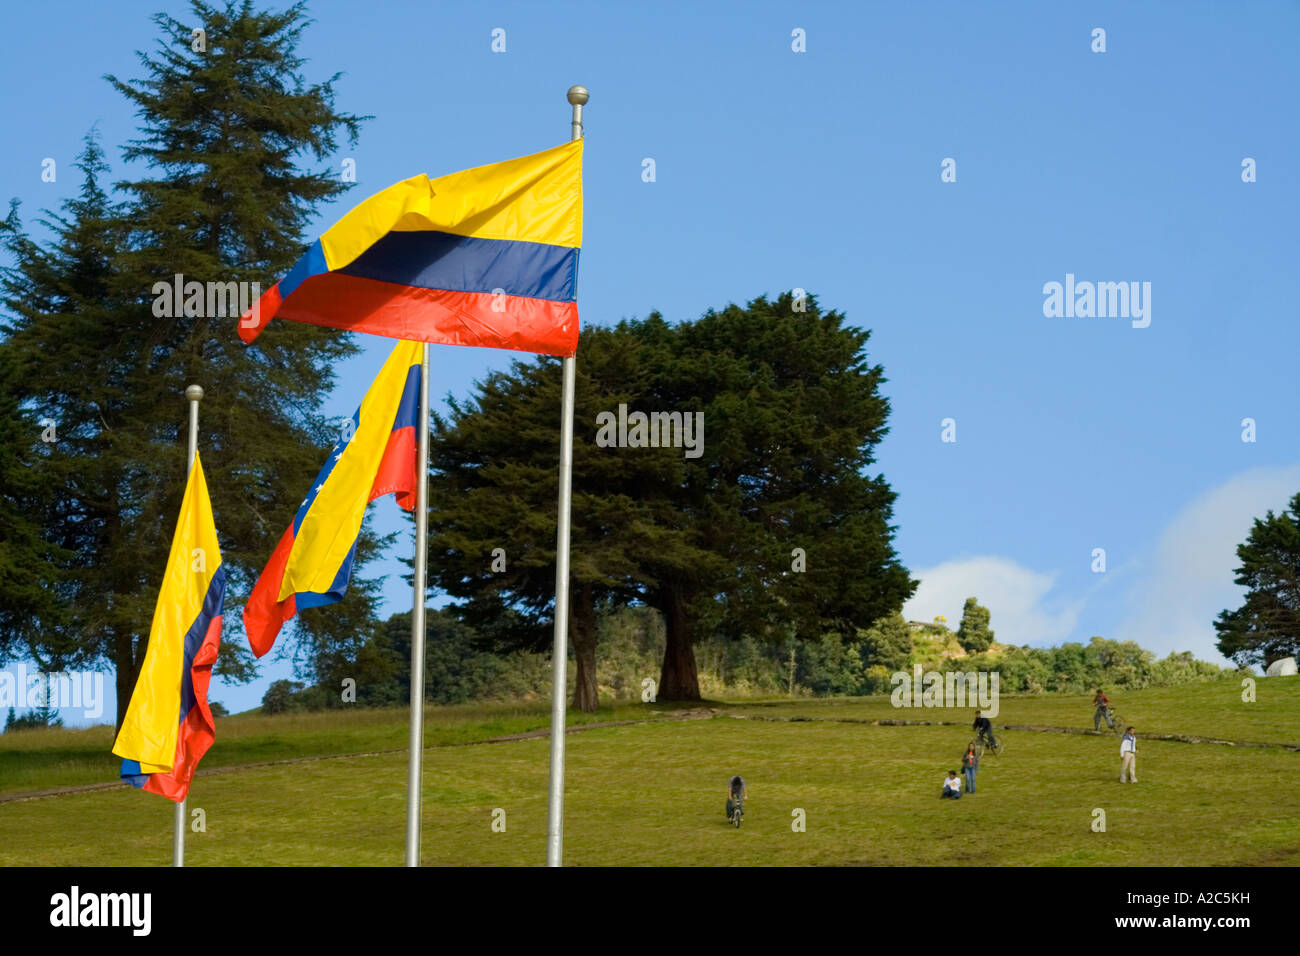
{"x":224,"y":135}
{"x":888,"y":644}
{"x":62,"y":391}
{"x":973,"y":633}
{"x":30,"y":586}
{"x":45,"y":715}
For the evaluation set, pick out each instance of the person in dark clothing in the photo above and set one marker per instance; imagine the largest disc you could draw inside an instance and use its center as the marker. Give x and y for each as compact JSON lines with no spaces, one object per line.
{"x":736,"y":793}
{"x":983,"y":726}
{"x":970,"y":763}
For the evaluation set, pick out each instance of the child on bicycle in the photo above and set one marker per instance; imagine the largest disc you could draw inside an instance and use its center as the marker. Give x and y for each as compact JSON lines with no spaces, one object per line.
{"x":736,"y":793}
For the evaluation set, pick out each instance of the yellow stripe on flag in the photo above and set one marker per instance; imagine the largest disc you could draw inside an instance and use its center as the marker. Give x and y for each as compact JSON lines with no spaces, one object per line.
{"x":536,"y":198}
{"x":148,"y":733}
{"x":332,"y":523}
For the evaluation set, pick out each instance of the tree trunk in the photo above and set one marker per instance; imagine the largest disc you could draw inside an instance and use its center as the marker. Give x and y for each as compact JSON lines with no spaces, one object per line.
{"x":582,"y":633}
{"x":679,"y":679}
{"x":127,"y":673}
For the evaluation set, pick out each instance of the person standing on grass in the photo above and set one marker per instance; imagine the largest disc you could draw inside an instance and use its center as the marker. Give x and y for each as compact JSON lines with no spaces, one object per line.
{"x":1128,"y":752}
{"x":970,"y":763}
{"x":951,"y":787}
{"x":1101,"y":705}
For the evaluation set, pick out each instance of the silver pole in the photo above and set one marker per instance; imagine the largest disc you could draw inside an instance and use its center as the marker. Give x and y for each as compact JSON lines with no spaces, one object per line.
{"x":194,"y":394}
{"x":415,"y":766}
{"x":578,"y":96}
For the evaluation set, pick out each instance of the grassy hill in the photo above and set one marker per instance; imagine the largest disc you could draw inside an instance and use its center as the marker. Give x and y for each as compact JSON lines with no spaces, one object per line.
{"x":652,"y":792}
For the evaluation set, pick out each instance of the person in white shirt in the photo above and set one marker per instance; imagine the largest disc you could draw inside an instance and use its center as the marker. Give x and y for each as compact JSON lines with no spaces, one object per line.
{"x":1128,"y":752}
{"x":951,"y":787}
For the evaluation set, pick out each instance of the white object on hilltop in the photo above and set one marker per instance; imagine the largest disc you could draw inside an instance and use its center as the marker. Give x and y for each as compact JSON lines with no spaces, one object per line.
{"x":1282,"y":667}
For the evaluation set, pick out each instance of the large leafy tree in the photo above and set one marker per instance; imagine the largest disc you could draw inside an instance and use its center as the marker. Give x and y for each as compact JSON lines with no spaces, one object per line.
{"x":1267,"y":625}
{"x":227,"y":136}
{"x":781,"y":497}
{"x":494,"y":499}
{"x":791,"y":412}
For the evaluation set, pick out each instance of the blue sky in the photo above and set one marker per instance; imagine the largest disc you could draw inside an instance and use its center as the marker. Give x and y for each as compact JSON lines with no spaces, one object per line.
{"x":821,"y":170}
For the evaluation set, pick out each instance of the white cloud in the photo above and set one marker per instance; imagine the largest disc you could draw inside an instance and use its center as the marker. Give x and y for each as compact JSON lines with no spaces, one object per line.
{"x":1190,"y":577}
{"x":1021,"y":612}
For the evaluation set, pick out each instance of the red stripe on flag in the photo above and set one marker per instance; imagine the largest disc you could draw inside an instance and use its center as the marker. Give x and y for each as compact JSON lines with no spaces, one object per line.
{"x":397,"y":469}
{"x":263,"y":614}
{"x":252,"y":322}
{"x":197,"y":730}
{"x":481,"y":319}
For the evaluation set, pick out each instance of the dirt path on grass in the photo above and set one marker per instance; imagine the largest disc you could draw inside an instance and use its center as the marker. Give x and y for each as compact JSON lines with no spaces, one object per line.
{"x":702,"y":713}
{"x":1038,"y":728}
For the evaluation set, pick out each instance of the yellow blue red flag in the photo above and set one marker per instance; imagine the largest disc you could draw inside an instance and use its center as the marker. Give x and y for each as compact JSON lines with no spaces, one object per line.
{"x":168,"y":725}
{"x":313,"y":561}
{"x":487,"y":257}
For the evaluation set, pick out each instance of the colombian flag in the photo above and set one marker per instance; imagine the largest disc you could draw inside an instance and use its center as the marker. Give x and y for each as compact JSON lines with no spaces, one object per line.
{"x":313,"y":561}
{"x":485,"y":257}
{"x":168,"y":726}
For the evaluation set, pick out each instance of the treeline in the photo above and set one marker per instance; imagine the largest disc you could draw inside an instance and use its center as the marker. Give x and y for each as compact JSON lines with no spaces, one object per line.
{"x":461,"y":666}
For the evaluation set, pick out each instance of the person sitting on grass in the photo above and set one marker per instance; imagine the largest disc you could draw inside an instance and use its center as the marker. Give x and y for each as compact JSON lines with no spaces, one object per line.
{"x":736,"y":793}
{"x":1101,"y":705}
{"x":951,"y":787}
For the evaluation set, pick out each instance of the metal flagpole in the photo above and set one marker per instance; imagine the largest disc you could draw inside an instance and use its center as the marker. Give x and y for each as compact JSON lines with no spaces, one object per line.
{"x":194,"y":394}
{"x":578,"y":96}
{"x":415,"y":766}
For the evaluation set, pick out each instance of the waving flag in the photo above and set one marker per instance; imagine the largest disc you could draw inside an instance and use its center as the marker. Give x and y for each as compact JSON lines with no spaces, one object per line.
{"x":168,"y":726}
{"x":485,"y":257}
{"x":313,"y":561}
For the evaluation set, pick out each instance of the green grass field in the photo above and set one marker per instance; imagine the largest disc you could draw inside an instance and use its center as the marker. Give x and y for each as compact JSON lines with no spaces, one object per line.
{"x":42,"y":759}
{"x":652,"y":793}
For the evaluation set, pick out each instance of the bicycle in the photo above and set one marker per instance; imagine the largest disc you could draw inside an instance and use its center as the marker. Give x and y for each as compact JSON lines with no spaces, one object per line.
{"x":981,"y":744}
{"x":737,"y":812}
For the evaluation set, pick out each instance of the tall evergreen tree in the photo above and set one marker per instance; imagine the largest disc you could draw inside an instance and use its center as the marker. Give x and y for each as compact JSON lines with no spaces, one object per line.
{"x":974,"y":633}
{"x":1267,"y":625}
{"x":224,"y":134}
{"x":887,"y":643}
{"x":31,"y":589}
{"x":61,"y":298}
